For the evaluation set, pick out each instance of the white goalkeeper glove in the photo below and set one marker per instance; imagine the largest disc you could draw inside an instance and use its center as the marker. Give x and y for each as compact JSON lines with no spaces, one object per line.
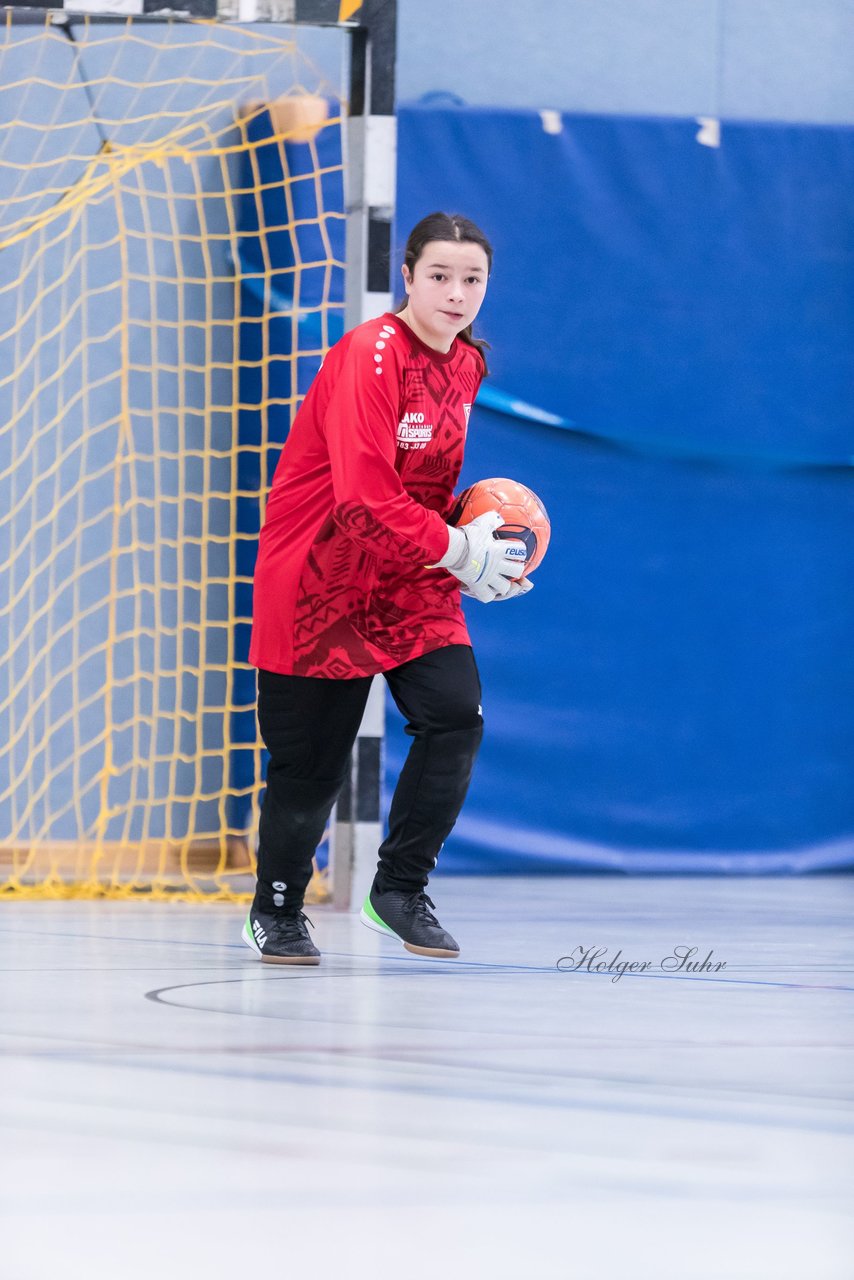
{"x":484,"y":564}
{"x":520,"y":588}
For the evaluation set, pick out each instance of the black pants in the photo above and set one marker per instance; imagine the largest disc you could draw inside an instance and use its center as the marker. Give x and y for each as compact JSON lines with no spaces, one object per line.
{"x":309,"y":726}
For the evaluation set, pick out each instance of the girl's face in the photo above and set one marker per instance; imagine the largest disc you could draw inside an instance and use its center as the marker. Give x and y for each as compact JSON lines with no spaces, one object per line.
{"x":446,"y":289}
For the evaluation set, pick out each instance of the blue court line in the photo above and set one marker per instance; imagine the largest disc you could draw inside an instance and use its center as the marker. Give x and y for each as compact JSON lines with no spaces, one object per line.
{"x":447,"y":1091}
{"x":435,"y":966}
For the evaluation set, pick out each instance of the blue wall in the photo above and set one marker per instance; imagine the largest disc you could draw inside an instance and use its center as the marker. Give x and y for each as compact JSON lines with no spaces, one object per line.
{"x":677,"y":693}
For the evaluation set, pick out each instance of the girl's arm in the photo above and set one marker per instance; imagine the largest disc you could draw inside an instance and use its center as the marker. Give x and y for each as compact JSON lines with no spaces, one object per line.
{"x":360,"y":423}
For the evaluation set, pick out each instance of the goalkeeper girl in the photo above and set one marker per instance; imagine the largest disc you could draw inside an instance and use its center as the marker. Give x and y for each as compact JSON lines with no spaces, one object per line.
{"x":358,"y":573}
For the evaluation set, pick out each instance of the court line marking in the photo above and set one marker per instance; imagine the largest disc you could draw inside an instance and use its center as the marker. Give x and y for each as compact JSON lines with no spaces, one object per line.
{"x":712,"y":1112}
{"x":434,"y":966}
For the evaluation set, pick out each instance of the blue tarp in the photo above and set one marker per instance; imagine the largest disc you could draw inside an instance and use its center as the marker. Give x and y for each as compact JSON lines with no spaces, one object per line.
{"x":677,"y":694}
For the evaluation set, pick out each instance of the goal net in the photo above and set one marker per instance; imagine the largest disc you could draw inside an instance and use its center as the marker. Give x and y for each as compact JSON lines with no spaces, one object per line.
{"x":171,"y":274}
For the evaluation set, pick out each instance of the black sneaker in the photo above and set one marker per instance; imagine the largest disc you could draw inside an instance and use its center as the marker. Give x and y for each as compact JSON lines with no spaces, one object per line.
{"x":280,"y":937}
{"x":408,"y":916}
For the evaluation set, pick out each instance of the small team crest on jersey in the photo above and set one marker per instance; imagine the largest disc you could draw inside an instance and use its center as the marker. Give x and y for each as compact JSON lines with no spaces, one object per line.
{"x":467,"y":412}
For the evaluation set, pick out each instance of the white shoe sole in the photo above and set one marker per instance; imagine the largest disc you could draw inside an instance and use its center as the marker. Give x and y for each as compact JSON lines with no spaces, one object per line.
{"x":376,"y":926}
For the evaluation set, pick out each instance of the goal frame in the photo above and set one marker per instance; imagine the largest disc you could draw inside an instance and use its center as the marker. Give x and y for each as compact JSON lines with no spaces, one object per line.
{"x":370,"y":153}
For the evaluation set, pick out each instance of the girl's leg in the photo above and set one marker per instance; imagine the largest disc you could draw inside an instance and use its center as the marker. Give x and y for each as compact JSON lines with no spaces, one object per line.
{"x":308,"y":726}
{"x":439,"y":694}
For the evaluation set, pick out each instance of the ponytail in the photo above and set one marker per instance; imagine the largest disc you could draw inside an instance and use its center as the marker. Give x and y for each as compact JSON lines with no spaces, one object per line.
{"x":480,"y":344}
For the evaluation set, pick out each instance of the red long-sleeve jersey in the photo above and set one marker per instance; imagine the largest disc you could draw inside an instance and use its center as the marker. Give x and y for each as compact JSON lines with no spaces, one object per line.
{"x":355,"y":513}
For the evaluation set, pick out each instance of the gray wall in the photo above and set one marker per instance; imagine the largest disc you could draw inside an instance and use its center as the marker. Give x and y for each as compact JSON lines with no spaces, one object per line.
{"x":752,"y":59}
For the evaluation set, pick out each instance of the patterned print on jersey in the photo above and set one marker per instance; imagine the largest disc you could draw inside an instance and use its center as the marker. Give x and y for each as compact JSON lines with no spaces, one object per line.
{"x":342,"y":584}
{"x":336,"y":611}
{"x":362,"y":526}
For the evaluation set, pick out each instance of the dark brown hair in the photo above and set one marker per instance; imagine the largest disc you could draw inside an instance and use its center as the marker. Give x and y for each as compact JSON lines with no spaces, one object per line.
{"x":448,"y":226}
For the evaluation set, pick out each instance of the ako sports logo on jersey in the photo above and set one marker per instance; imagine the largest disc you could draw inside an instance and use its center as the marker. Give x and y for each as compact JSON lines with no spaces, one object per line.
{"x":413,"y":432}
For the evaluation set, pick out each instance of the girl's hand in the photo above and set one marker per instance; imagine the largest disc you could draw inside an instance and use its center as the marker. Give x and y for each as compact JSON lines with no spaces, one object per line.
{"x":520,"y":588}
{"x":484,"y":564}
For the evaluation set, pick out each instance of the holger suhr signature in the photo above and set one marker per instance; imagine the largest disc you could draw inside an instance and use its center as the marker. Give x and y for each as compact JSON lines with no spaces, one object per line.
{"x":595,"y":960}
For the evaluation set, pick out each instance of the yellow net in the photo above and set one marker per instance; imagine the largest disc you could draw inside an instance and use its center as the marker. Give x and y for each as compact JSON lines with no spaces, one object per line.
{"x":171,"y":223}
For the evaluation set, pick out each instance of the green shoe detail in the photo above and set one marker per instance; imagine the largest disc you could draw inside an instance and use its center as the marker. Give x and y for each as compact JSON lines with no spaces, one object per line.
{"x":368,"y":910}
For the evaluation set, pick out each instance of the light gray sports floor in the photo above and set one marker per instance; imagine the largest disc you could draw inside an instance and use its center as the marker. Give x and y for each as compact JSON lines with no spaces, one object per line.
{"x":169,"y":1107}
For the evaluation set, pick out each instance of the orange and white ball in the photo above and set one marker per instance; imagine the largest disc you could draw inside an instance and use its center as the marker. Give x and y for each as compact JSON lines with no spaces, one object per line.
{"x":523,"y":513}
